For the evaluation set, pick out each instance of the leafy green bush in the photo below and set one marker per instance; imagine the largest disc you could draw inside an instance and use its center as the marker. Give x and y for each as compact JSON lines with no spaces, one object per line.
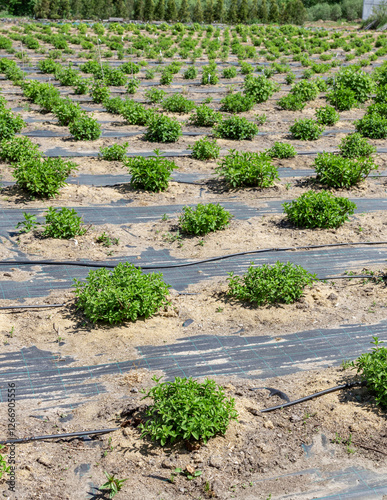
{"x":306,"y":129}
{"x":266,"y":284}
{"x":237,"y":103}
{"x":42,"y":178}
{"x":130,"y":68}
{"x":124,"y":294}
{"x":155,"y":95}
{"x":114,"y":105}
{"x":338,"y":172}
{"x":204,"y":219}
{"x":17,"y":149}
{"x":62,"y":223}
{"x":259,"y":88}
{"x":210,"y":75}
{"x":230,"y":72}
{"x":355,"y":146}
{"x":99,"y":93}
{"x":81,"y":86}
{"x":291,"y":103}
{"x":281,"y":150}
{"x":373,"y":126}
{"x":66,"y":111}
{"x":236,"y":128}
{"x":319,"y":209}
{"x":132,"y":86}
{"x":177,"y":103}
{"x":247,"y":169}
{"x":163,"y":129}
{"x":190,"y":73}
{"x":85,"y":128}
{"x":305,"y":91}
{"x":187,"y":409}
{"x":359,"y":82}
{"x":10,"y":124}
{"x":166,"y":77}
{"x":152,"y":173}
{"x":342,"y":99}
{"x":48,"y":66}
{"x":373,"y":369}
{"x":246,"y":68}
{"x":114,"y":153}
{"x":327,"y":115}
{"x":136,"y":113}
{"x":205,"y":149}
{"x":203,"y":116}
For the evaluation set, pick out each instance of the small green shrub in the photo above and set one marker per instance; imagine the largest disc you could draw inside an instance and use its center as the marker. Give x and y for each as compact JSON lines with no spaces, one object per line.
{"x":177,"y":103}
{"x":114,"y":153}
{"x":291,"y":103}
{"x":266,"y":284}
{"x":237,"y":103}
{"x":187,"y":409}
{"x":230,"y":72}
{"x":48,"y":66}
{"x":66,"y":111}
{"x":10,"y":124}
{"x":281,"y":150}
{"x":155,"y":95}
{"x":99,"y":93}
{"x":132,"y":86}
{"x":114,"y":105}
{"x":124,"y":294}
{"x":203,"y":116}
{"x":290,"y":78}
{"x":373,"y":369}
{"x":205,"y":149}
{"x":42,"y":178}
{"x":359,"y":82}
{"x":166,"y":77}
{"x":190,"y":73}
{"x":210,"y":75}
{"x":355,"y":146}
{"x":130,"y":68}
{"x":236,"y":128}
{"x":259,"y":88}
{"x":342,"y":99}
{"x":305,"y":91}
{"x":136,"y":113}
{"x":163,"y":129}
{"x":204,"y":219}
{"x":152,"y":173}
{"x":62,"y":223}
{"x":18,"y":149}
{"x":81,"y":86}
{"x":247,"y":169}
{"x":85,"y":128}
{"x":327,"y":115}
{"x":306,"y":129}
{"x":373,"y":126}
{"x":338,"y":172}
{"x":319,"y":209}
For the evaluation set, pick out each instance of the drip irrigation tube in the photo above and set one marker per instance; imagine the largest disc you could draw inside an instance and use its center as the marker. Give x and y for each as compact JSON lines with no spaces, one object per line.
{"x":349,"y":385}
{"x":37,"y":306}
{"x":195,"y":263}
{"x":59,"y":436}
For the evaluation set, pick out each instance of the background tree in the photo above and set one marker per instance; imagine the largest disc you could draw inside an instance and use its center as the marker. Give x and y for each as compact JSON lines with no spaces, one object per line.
{"x":219,"y":11}
{"x":42,"y":9}
{"x":148,"y":10}
{"x":295,"y":12}
{"x":171,"y":11}
{"x":184,"y":15}
{"x":209,"y":12}
{"x":160,"y":11}
{"x":273,"y":12}
{"x":197,"y":14}
{"x":254,"y":10}
{"x":243,"y":11}
{"x":232,"y":16}
{"x":139,"y":9}
{"x":262,"y":13}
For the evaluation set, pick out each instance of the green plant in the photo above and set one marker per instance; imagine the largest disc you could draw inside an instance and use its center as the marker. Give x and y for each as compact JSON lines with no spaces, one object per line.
{"x":155,"y":95}
{"x":237,"y":103}
{"x":186,"y":473}
{"x":62,"y":223}
{"x":66,"y":111}
{"x":205,"y":149}
{"x":132,"y":86}
{"x":28,"y":224}
{"x":373,"y":368}
{"x":281,"y":150}
{"x":166,"y":77}
{"x":85,"y":128}
{"x":327,"y":115}
{"x":291,"y":103}
{"x":124,"y":294}
{"x":3,"y":464}
{"x":203,"y":116}
{"x":319,"y":209}
{"x":152,"y":173}
{"x":229,"y":72}
{"x":113,"y":153}
{"x":10,"y":124}
{"x":113,"y":485}
{"x":259,"y":88}
{"x":338,"y":172}
{"x":290,"y":78}
{"x":261,"y":119}
{"x":305,"y":91}
{"x":266,"y":284}
{"x":306,"y":129}
{"x":106,"y":240}
{"x":190,"y":73}
{"x":81,"y":86}
{"x":373,"y":126}
{"x":204,"y":219}
{"x":210,"y":75}
{"x":114,"y":105}
{"x":342,"y":98}
{"x":357,"y":81}
{"x":236,"y":128}
{"x":99,"y":93}
{"x":18,"y":148}
{"x":177,"y":103}
{"x":43,"y":178}
{"x":163,"y":129}
{"x":247,"y":169}
{"x":136,"y":114}
{"x":355,"y":146}
{"x":186,"y":409}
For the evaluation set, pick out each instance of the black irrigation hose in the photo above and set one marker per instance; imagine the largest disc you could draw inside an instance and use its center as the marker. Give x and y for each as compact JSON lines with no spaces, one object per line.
{"x":32,"y":306}
{"x":187,"y":264}
{"x":349,"y":385}
{"x":59,"y":436}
